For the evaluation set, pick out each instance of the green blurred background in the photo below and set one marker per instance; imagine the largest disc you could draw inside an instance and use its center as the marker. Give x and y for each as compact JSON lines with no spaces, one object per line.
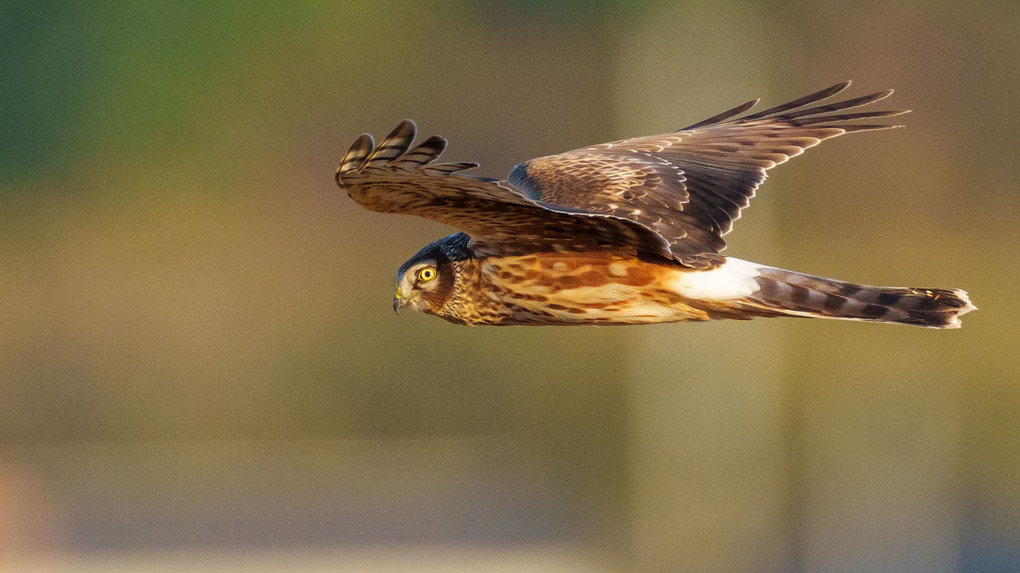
{"x":199,"y":368}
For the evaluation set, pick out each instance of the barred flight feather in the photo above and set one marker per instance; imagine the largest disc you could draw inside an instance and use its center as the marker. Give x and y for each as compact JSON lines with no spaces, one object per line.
{"x":393,"y":145}
{"x":422,"y":154}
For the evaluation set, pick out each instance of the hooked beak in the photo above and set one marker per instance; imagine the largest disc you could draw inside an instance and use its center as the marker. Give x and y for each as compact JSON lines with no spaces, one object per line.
{"x":398,"y":301}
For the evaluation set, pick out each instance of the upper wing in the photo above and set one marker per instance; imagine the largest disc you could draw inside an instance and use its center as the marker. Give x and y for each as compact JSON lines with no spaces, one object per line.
{"x":690,"y":185}
{"x":395,"y":178}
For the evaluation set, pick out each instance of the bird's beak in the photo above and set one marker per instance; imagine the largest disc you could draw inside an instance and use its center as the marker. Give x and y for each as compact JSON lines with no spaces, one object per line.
{"x":398,"y":301}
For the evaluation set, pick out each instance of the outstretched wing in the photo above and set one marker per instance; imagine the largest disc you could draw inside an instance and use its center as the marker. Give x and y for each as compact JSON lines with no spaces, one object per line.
{"x":397,"y":178}
{"x":690,"y":185}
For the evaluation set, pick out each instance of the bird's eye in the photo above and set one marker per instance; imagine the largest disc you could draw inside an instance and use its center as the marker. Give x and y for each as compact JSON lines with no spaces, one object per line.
{"x":426,"y":274}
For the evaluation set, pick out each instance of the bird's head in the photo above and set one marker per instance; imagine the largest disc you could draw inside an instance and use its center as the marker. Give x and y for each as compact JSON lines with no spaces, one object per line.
{"x":426,"y":282}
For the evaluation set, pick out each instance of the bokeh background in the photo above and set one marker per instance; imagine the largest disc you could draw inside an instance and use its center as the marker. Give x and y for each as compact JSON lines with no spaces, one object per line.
{"x":200,"y":370}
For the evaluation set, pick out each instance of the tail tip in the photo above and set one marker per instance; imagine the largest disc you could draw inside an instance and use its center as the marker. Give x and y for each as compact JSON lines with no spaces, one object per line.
{"x":968,"y":306}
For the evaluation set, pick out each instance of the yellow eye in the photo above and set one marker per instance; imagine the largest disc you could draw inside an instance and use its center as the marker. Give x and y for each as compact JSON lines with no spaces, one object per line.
{"x":426,"y":274}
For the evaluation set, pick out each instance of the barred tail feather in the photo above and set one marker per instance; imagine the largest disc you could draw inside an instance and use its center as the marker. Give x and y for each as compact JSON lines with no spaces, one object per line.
{"x":787,"y":293}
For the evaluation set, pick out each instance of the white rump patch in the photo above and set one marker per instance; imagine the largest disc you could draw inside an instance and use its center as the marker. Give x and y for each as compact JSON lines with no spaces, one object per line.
{"x":732,"y":280}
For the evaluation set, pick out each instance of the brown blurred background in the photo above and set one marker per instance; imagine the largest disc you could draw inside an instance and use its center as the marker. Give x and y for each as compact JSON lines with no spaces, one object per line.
{"x":200,"y":371}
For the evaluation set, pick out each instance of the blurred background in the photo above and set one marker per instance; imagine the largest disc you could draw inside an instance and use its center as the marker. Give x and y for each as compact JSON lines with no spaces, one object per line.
{"x":200,"y":370}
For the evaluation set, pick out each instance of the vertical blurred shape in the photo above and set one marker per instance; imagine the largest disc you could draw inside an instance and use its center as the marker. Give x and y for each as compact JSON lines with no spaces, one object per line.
{"x":877,"y":454}
{"x":708,"y":464}
{"x":27,"y":518}
{"x":875,"y":433}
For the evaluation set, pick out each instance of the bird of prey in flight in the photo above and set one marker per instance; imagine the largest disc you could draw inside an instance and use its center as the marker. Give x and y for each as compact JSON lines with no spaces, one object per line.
{"x":628,"y":232}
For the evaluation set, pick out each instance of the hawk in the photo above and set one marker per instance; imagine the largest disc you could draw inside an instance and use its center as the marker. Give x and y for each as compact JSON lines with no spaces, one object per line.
{"x":628,"y":232}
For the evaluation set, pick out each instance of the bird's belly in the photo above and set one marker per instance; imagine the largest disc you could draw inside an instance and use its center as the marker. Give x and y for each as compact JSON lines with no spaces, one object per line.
{"x":585,"y":288}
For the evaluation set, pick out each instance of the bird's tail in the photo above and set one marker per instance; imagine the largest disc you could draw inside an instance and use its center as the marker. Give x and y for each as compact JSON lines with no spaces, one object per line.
{"x":787,"y":293}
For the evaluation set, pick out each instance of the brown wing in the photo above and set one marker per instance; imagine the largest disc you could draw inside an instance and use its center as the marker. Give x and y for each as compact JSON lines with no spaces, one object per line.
{"x":689,"y":186}
{"x":396,"y":178}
